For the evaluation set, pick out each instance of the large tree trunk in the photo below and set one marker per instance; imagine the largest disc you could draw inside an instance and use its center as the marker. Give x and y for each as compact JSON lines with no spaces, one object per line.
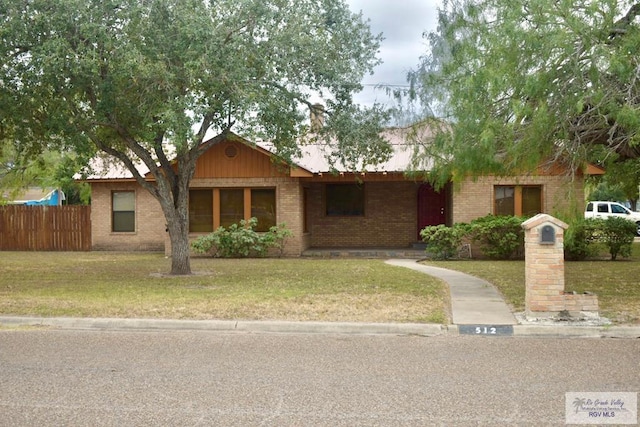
{"x":176,"y":213}
{"x":180,"y":249}
{"x":171,"y":187}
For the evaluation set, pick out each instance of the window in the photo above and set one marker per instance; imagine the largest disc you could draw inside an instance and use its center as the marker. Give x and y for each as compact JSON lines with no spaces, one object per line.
{"x":305,"y":209}
{"x":231,"y":206}
{"x":617,"y":209}
{"x":531,"y":200}
{"x":123,"y":211}
{"x":263,"y":207}
{"x":517,"y":200}
{"x":214,"y":207}
{"x":200,"y":211}
{"x":504,"y":201}
{"x":344,"y":200}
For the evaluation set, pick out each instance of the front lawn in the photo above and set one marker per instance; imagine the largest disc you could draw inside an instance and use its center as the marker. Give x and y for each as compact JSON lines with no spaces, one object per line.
{"x":107,"y":284}
{"x":617,"y":283}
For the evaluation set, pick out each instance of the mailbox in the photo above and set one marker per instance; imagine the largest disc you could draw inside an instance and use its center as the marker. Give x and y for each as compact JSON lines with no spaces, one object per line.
{"x":547,"y":235}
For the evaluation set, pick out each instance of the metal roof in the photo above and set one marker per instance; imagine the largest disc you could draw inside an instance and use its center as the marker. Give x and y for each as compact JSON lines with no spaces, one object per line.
{"x":314,"y":158}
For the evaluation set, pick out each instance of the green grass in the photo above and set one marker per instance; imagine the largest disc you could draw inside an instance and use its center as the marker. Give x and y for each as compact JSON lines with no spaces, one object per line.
{"x":106,"y":284}
{"x":616,"y":283}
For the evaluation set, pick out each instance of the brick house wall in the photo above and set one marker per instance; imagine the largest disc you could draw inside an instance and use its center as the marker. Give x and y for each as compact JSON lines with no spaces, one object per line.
{"x":150,"y":227}
{"x":289,"y":204}
{"x":474,"y":199}
{"x":150,"y":234}
{"x":390,"y":218}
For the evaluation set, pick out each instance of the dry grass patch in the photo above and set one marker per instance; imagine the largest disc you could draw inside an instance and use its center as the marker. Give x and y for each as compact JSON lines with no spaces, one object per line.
{"x":106,"y":284}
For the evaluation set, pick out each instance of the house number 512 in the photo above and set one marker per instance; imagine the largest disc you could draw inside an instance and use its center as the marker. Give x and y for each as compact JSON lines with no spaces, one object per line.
{"x":485,"y":330}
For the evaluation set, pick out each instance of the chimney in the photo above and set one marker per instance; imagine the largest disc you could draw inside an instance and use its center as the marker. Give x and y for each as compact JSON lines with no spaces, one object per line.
{"x":317,"y":117}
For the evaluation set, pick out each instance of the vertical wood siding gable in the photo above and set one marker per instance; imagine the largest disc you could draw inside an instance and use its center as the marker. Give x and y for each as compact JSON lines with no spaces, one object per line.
{"x":248,"y":163}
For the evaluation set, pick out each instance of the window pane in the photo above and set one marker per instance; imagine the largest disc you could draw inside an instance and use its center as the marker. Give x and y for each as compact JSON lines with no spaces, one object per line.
{"x":531,"y":201}
{"x":124,"y":221}
{"x":263,"y":207}
{"x":124,"y":201}
{"x":504,"y":201}
{"x":345,"y":200}
{"x":617,"y":209}
{"x":123,"y":215}
{"x":200,"y":211}
{"x":231,"y":206}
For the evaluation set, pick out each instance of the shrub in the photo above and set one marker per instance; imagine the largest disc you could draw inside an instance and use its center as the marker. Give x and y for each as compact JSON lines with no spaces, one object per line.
{"x":241,"y":240}
{"x":499,"y":237}
{"x":617,"y":235}
{"x":276,"y":237}
{"x":580,"y":239}
{"x":442,"y":241}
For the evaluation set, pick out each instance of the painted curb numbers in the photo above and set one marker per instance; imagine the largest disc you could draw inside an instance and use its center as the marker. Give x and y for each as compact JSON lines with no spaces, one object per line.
{"x":486,"y":330}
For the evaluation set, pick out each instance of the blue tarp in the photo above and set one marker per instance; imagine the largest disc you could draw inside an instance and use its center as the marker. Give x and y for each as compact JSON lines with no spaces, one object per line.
{"x":54,"y":198}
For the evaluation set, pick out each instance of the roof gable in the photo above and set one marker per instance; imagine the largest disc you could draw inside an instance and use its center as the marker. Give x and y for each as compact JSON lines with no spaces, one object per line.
{"x":234,"y":159}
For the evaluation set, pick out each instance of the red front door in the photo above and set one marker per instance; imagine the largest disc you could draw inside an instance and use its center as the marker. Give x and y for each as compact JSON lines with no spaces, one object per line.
{"x":431,"y":207}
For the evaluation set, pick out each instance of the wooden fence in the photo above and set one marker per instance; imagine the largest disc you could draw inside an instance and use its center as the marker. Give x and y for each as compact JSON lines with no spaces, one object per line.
{"x":45,"y":228}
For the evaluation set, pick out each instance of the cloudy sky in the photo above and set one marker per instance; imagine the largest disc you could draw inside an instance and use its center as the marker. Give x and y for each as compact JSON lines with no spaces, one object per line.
{"x":402,"y":23}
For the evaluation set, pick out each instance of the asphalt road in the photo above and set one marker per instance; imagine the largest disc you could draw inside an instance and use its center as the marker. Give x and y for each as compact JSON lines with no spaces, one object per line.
{"x":181,"y":378}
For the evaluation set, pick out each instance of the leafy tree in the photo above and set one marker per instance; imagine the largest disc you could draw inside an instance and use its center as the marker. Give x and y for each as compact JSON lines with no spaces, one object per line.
{"x":147,"y":82}
{"x":627,"y":177}
{"x":620,"y":183}
{"x":606,"y":191}
{"x":520,"y":83}
{"x":49,"y":169}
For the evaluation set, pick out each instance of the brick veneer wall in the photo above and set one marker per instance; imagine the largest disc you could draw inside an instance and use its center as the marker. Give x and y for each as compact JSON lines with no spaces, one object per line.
{"x":150,"y":224}
{"x":150,"y":231}
{"x":390,"y":218}
{"x":544,"y":273}
{"x":474,"y":199}
{"x":289,"y":204}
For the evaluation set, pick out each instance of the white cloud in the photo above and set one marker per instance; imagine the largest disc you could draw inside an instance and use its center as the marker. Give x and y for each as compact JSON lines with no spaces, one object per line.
{"x":402,"y":23}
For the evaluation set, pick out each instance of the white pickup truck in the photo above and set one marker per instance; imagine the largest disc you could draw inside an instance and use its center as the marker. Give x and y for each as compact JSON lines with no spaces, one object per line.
{"x":605,"y":210}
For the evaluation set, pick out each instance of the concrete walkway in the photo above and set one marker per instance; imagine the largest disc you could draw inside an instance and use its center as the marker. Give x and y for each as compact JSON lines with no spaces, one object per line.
{"x":473,"y":301}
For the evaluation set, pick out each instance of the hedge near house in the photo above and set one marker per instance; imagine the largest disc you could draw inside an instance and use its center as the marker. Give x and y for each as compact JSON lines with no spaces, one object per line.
{"x":241,"y":241}
{"x":499,"y":237}
{"x":442,"y":241}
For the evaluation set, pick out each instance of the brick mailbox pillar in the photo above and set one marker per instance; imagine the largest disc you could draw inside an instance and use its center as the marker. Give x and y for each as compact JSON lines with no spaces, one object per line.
{"x":544,"y":271}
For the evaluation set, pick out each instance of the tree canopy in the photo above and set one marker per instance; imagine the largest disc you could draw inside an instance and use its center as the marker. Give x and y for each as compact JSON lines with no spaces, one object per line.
{"x":621,"y":182}
{"x":522,"y":82}
{"x":158,"y":82}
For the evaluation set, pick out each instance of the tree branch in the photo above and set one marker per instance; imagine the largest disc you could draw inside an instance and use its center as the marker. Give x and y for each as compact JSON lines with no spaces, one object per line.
{"x":126,"y":160}
{"x":202,"y":148}
{"x":621,"y":25}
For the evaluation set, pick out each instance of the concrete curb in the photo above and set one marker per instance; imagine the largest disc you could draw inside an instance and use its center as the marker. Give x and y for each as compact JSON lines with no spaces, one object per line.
{"x":284,"y":327}
{"x":569,"y":331}
{"x":560,"y":331}
{"x":227,"y":325}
